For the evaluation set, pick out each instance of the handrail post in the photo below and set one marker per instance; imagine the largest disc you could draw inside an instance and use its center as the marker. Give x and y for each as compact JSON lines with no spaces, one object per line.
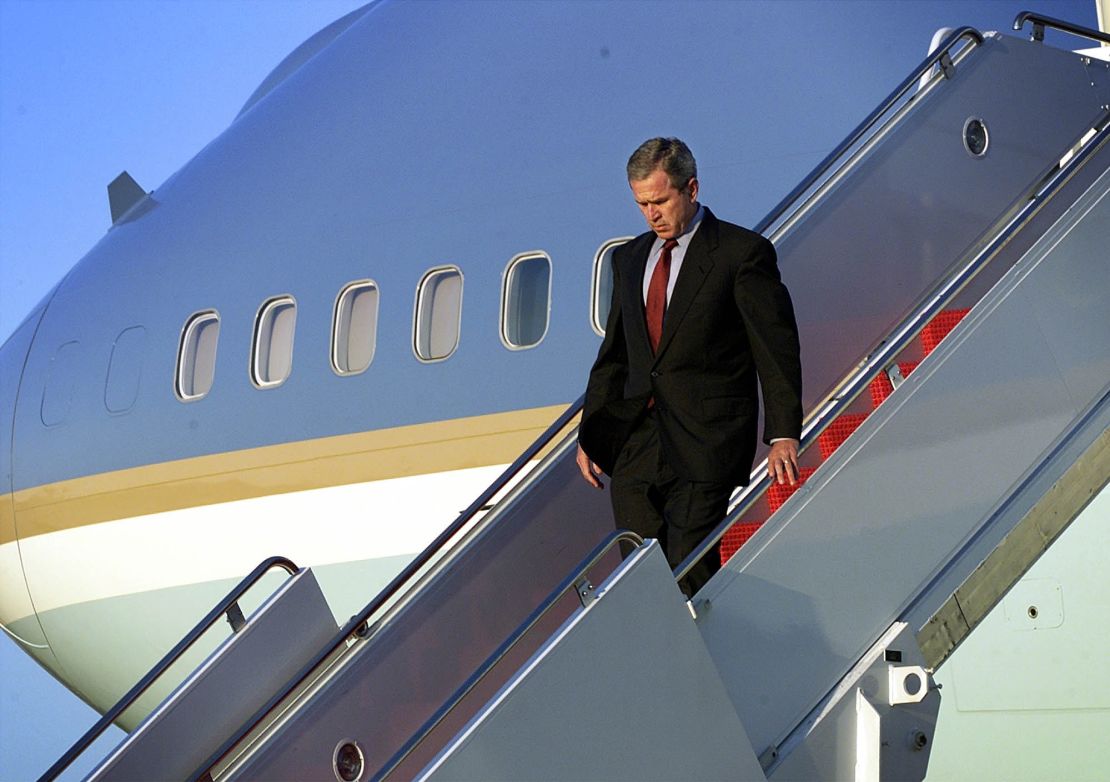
{"x":946,"y":66}
{"x":235,"y":617}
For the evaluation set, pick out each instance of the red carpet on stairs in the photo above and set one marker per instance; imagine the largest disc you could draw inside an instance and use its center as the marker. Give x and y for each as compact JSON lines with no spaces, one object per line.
{"x":841,"y":428}
{"x":736,"y":537}
{"x":939,"y":327}
{"x":780,"y":492}
{"x":881,"y":387}
{"x":837,"y":432}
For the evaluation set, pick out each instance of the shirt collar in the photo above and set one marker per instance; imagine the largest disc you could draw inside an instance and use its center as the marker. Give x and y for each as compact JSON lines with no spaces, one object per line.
{"x":684,"y":238}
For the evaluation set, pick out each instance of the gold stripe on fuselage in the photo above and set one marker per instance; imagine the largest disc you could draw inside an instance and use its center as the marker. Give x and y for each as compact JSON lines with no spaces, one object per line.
{"x":419,"y":449}
{"x":7,"y":519}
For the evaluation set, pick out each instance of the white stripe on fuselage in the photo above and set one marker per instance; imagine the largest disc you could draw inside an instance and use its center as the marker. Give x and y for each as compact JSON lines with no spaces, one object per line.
{"x":364,"y":521}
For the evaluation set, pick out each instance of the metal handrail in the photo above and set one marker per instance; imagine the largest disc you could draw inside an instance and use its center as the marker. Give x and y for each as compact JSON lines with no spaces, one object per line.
{"x":570,"y":582}
{"x":228,"y":607}
{"x":791,"y":738}
{"x":360,"y":620}
{"x":904,"y":333}
{"x":1040,"y":22}
{"x":940,"y":55}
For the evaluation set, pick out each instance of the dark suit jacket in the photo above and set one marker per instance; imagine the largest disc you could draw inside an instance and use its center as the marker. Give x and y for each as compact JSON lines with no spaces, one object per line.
{"x":729,"y":319}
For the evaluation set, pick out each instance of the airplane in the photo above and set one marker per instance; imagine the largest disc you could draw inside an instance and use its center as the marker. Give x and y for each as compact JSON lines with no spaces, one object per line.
{"x":278,"y":431}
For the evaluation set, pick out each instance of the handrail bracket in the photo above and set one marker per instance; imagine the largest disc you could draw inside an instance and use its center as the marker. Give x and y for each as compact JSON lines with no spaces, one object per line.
{"x":586,"y":592}
{"x":947,"y":67}
{"x":235,"y":617}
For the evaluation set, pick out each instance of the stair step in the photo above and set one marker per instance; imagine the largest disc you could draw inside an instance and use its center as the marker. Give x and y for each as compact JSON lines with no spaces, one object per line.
{"x":939,"y":327}
{"x":881,"y":386}
{"x":837,"y":432}
{"x":780,"y":492}
{"x":736,"y":537}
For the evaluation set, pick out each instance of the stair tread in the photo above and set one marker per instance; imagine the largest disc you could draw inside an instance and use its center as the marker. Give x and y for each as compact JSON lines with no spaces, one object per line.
{"x":939,"y":327}
{"x":838,"y":431}
{"x":737,"y":535}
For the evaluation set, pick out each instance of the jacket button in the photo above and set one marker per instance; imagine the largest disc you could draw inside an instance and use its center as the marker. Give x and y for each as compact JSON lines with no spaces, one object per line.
{"x":655,"y":374}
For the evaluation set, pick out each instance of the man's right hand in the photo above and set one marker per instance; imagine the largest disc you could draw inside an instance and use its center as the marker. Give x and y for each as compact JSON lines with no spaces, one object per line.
{"x":590,"y":471}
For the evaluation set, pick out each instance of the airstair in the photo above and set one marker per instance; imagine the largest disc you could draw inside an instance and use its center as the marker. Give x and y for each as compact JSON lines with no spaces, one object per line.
{"x":949,"y":268}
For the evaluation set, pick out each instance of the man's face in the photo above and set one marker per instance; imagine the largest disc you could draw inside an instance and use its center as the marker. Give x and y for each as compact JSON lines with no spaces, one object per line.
{"x":667,"y":209}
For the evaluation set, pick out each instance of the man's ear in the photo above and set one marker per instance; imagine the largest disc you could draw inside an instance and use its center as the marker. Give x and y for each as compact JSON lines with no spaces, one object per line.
{"x":692,"y":187}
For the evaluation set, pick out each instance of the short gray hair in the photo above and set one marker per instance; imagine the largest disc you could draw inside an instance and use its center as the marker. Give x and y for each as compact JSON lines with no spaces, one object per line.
{"x":669,"y":154}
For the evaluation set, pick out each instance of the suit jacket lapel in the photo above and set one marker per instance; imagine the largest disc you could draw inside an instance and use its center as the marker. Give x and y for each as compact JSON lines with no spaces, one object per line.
{"x":632,"y":293}
{"x":695,"y":267}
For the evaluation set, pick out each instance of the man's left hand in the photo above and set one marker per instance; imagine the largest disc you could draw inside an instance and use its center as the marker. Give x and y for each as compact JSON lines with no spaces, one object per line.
{"x":782,"y":463}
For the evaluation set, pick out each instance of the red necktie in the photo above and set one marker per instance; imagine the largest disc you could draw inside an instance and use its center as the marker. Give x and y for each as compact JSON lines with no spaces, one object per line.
{"x":656,"y":305}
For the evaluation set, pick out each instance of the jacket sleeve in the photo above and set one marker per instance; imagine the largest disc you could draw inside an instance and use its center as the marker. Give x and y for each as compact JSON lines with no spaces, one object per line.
{"x":610,"y":370}
{"x":768,"y":314}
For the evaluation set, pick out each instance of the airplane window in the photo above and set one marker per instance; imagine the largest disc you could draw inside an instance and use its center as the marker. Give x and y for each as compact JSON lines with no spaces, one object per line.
{"x":125,"y":369}
{"x":57,"y":395}
{"x":354,"y":328}
{"x":601,"y":290}
{"x":438,"y":314}
{"x":196,"y":358}
{"x":272,"y":355}
{"x":526,"y":301}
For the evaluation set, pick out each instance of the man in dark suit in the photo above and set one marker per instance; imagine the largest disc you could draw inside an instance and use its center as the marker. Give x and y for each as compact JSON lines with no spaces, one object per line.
{"x":698,"y":314}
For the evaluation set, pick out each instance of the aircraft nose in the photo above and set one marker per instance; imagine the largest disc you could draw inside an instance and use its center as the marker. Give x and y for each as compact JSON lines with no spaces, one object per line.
{"x":17,"y":612}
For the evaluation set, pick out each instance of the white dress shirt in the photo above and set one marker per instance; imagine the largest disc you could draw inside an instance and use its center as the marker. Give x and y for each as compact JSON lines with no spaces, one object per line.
{"x":678,"y":253}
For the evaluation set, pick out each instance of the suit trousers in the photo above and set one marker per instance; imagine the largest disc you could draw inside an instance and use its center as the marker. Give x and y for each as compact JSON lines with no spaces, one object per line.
{"x":650,"y":499}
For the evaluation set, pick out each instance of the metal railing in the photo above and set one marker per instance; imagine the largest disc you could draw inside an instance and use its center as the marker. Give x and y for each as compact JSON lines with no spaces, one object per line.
{"x":941,"y":56}
{"x":228,"y":607}
{"x":1040,"y":22}
{"x":903,"y":334}
{"x":572,"y":581}
{"x":782,"y":748}
{"x":905,"y":331}
{"x":358,"y":624}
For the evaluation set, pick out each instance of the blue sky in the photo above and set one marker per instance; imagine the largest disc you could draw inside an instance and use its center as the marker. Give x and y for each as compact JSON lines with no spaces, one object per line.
{"x":88,"y":89}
